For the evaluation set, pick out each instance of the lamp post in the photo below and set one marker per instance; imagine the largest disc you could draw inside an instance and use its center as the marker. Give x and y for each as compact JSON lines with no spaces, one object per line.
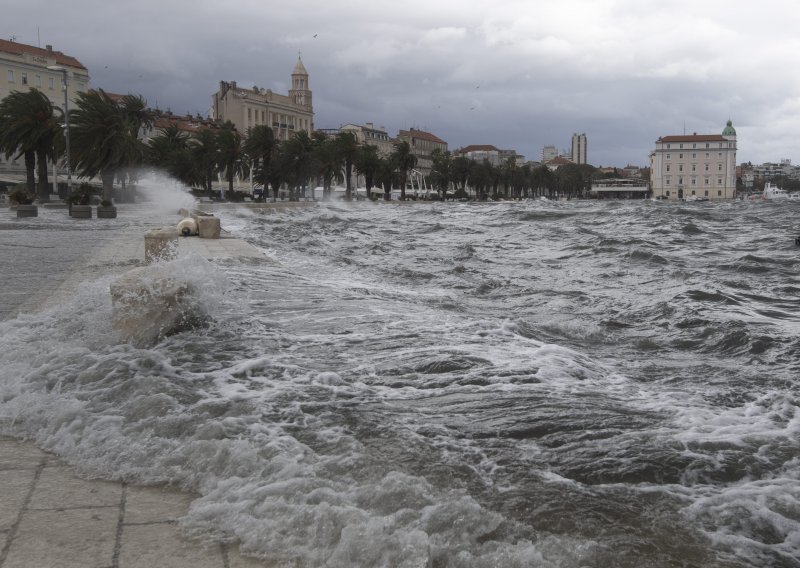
{"x":63,"y":70}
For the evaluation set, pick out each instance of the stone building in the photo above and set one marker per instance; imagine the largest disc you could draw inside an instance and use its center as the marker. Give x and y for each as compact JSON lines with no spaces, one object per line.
{"x":247,"y":107}
{"x":367,"y":134}
{"x":695,"y":166}
{"x":579,"y":148}
{"x":422,"y":145}
{"x":23,"y":67}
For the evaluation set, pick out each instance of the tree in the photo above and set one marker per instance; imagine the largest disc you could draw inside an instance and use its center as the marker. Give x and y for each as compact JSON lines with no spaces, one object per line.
{"x":260,"y":145}
{"x":203,"y":157}
{"x":404,"y":160}
{"x":460,"y":171}
{"x":328,"y":158}
{"x":441,"y":170}
{"x":230,"y":152}
{"x":105,"y":135}
{"x":298,"y":161}
{"x":367,"y":162}
{"x":347,"y":148}
{"x":29,"y":127}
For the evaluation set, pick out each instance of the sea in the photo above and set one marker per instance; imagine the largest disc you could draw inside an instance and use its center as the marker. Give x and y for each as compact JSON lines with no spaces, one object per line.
{"x":516,"y":384}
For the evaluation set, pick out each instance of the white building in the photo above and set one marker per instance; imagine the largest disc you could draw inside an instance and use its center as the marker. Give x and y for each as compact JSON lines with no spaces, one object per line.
{"x":700,"y":165}
{"x":579,"y":148}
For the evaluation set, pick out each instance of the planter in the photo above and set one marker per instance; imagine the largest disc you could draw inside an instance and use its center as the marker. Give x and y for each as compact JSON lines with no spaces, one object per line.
{"x":81,"y":211}
{"x":27,"y":211}
{"x":109,"y":212}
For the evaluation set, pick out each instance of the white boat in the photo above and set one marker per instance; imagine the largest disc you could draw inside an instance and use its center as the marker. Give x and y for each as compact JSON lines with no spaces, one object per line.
{"x":774,"y":192}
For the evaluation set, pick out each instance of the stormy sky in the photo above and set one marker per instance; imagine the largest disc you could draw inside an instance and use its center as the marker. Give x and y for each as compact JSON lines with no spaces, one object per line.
{"x":515,"y":74}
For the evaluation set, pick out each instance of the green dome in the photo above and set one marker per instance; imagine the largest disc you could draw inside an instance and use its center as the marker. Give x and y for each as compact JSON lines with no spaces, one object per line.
{"x":729,"y":130}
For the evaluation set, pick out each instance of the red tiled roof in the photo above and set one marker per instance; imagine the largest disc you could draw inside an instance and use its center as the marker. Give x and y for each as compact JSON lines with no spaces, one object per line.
{"x":421,"y":134}
{"x":21,"y":49}
{"x":478,"y":148}
{"x":559,"y":161}
{"x":693,"y":138}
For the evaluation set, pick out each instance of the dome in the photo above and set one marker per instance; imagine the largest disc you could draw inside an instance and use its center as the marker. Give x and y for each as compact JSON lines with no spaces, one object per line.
{"x":729,"y":130}
{"x":299,"y":69}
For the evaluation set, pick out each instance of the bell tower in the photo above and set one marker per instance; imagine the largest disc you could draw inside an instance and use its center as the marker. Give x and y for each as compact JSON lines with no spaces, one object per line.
{"x":300,"y":92}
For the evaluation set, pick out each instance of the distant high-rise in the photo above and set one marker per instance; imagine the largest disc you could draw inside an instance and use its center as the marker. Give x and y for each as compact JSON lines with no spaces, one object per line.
{"x":549,"y":153}
{"x":579,"y":148}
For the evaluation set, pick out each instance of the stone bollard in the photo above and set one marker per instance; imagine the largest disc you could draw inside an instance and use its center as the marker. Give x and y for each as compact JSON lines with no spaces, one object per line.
{"x":160,"y":245}
{"x":27,"y":211}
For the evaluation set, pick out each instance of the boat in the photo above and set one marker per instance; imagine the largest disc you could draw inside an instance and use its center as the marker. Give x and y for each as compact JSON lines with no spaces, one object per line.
{"x":774,"y":192}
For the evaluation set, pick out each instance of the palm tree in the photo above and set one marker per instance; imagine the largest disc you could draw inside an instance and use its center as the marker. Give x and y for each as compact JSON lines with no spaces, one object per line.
{"x":328,"y":157}
{"x":204,"y":157}
{"x":404,"y":160}
{"x":29,"y":127}
{"x":231,"y":152}
{"x":442,"y":169}
{"x":367,"y":163}
{"x":347,"y":147}
{"x":260,"y":145}
{"x":105,"y":135}
{"x":298,"y":161}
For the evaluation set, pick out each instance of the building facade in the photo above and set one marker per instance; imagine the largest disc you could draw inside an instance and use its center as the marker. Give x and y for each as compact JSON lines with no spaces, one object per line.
{"x":286,"y":114}
{"x":579,"y":148}
{"x":24,"y":67}
{"x":695,"y":166}
{"x":422,"y":145}
{"x":369,"y":135}
{"x":481,"y":152}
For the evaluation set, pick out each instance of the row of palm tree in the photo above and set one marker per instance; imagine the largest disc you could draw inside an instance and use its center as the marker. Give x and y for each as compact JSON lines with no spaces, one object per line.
{"x":507,"y":180}
{"x":105,"y":143}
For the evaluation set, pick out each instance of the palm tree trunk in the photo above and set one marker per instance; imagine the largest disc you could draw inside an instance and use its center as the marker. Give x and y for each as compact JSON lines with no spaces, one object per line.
{"x":108,"y":185}
{"x":43,"y":190}
{"x":30,"y":170}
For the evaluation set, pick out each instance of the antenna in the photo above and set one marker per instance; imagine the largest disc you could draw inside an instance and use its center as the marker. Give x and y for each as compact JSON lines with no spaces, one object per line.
{"x":38,"y":39}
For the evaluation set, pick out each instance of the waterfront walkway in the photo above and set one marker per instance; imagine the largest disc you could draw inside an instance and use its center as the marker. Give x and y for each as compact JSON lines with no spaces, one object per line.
{"x":50,"y":516}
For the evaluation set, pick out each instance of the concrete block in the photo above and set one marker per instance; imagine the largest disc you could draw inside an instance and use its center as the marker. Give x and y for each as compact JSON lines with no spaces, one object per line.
{"x":15,"y":484}
{"x":208,"y":227}
{"x":27,"y":211}
{"x":160,"y":244}
{"x":19,"y":455}
{"x":81,"y":212}
{"x":148,"y":305}
{"x":155,"y":504}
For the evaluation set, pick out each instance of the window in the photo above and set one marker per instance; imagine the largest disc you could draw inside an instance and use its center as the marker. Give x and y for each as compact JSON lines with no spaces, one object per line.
{"x":719,"y":167}
{"x":668,"y":147}
{"x":681,"y":146}
{"x":680,"y":167}
{"x":692,"y":192}
{"x":706,"y":144}
{"x":706,"y":182}
{"x":719,"y":181}
{"x":706,"y":167}
{"x":38,"y":81}
{"x":694,"y":167}
{"x":667,"y":167}
{"x":694,"y":155}
{"x":719,"y":155}
{"x":10,"y":75}
{"x":50,"y":83}
{"x":719,"y":193}
{"x":706,"y":153}
{"x":706,"y":192}
{"x":694,"y":182}
{"x":680,"y":156}
{"x":694,"y":145}
{"x":24,"y":78}
{"x":666,"y":182}
{"x":680,"y":180}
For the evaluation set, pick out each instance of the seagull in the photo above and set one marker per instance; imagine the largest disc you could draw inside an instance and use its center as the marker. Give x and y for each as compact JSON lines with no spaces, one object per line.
{"x":315,"y":35}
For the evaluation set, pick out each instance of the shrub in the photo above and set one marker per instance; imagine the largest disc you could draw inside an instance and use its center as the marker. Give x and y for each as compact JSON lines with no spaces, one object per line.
{"x":20,"y":195}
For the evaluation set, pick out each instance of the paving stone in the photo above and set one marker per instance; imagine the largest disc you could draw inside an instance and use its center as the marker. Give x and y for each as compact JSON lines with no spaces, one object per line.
{"x":70,"y":538}
{"x":155,"y":504}
{"x":19,"y":455}
{"x":161,"y":545}
{"x":236,"y":560}
{"x":14,"y":485}
{"x":60,"y":487}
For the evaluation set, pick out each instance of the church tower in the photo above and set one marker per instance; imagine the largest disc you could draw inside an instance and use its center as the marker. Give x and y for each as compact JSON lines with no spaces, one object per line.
{"x":300,"y":94}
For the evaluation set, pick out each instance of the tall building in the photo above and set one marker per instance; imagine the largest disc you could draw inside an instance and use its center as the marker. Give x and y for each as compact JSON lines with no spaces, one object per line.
{"x":24,"y":67}
{"x":579,"y":148}
{"x":246,"y":107}
{"x":549,"y":153}
{"x":695,"y":166}
{"x":481,"y":152}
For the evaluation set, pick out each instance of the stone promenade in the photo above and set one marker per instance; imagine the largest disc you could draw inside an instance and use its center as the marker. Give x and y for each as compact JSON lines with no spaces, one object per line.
{"x":51,"y":517}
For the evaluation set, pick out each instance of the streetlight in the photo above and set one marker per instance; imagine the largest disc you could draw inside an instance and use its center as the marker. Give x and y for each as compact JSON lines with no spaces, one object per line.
{"x":66,"y":119}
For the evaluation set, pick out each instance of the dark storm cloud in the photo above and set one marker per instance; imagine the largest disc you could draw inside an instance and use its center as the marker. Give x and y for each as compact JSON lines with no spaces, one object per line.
{"x":516,"y":74}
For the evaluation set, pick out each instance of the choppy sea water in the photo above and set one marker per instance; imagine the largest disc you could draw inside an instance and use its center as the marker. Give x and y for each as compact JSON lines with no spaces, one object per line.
{"x":528,"y":384}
